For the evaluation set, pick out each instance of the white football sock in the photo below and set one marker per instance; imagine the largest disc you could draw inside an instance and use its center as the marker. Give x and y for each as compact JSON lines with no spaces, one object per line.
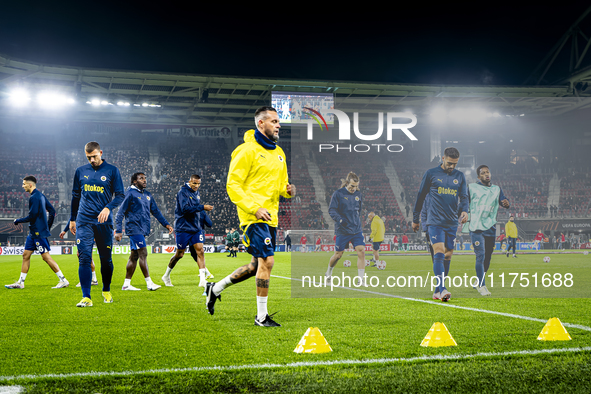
{"x":149,"y":280}
{"x":127,"y":282}
{"x":329,"y":270}
{"x":60,"y":275}
{"x":22,"y":278}
{"x":168,"y":271}
{"x":261,"y":308}
{"x":94,"y":277}
{"x":221,"y":285}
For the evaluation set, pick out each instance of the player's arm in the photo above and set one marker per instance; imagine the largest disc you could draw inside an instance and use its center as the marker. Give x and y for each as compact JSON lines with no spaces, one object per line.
{"x":158,"y":215}
{"x":207,"y":221}
{"x":333,"y":209}
{"x":121,"y":214}
{"x":503,"y":201}
{"x":237,"y":174}
{"x":33,"y":211}
{"x":185,"y":203}
{"x":51,"y":213}
{"x":374,"y":229}
{"x":287,"y":190}
{"x":423,"y":191}
{"x":119,"y":191}
{"x":464,"y":200}
{"x":76,"y":194}
{"x":65,"y":230}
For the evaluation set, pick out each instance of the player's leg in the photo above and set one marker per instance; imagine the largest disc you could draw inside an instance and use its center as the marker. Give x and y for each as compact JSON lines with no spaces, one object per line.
{"x":182,"y":240}
{"x":85,"y":242}
{"x":130,"y":269}
{"x":437,"y":238}
{"x":201,"y":263}
{"x":489,"y":247}
{"x":143,"y":261}
{"x":360,"y":249}
{"x":478,"y":243}
{"x":63,"y":282}
{"x":208,"y":275}
{"x":213,"y":290}
{"x":20,"y":283}
{"x":332,"y":262}
{"x":103,"y":234}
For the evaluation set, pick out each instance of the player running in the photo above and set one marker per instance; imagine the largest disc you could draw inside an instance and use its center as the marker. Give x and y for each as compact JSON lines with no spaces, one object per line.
{"x":94,"y":186}
{"x":188,"y":228}
{"x":344,"y":209}
{"x":377,"y":235}
{"x":485,"y":199}
{"x":39,"y":226}
{"x":445,"y":185}
{"x":136,"y":209}
{"x":256,"y":178}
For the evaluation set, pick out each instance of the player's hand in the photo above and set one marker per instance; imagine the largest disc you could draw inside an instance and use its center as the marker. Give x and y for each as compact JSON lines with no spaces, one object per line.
{"x":170,"y":229}
{"x":291,"y":190}
{"x":73,"y":228}
{"x":118,"y":237}
{"x":104,"y":215}
{"x":415,"y":227}
{"x":263,"y":214}
{"x":208,"y":207}
{"x":464,"y":217}
{"x":505,"y":203}
{"x":62,"y":234}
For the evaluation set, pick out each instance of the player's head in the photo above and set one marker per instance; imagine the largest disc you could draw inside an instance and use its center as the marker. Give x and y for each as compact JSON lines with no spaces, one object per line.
{"x":139,"y":180}
{"x":371,"y":215}
{"x":195,"y":182}
{"x":267,"y":122}
{"x":351,"y":183}
{"x":29,"y":183}
{"x":94,"y":154}
{"x":511,"y":218}
{"x":483,"y":174}
{"x":451,"y":156}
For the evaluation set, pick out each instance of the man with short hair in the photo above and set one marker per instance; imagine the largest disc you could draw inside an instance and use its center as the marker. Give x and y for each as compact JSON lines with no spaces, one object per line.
{"x":485,"y":199}
{"x":256,"y":178}
{"x":39,"y":226}
{"x":97,"y":190}
{"x":188,"y":228}
{"x":445,"y":185}
{"x":136,"y":209}
{"x":377,"y":235}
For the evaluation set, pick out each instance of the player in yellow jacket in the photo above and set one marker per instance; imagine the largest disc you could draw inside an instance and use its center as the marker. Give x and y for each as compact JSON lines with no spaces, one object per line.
{"x":511,"y":231}
{"x":256,"y":178}
{"x":377,"y":235}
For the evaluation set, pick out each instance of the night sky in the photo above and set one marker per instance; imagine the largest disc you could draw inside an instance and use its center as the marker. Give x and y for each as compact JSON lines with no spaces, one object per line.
{"x":447,"y":44}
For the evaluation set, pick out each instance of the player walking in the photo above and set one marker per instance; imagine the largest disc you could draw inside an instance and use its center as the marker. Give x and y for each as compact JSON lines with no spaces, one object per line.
{"x":136,"y":209}
{"x":445,"y":185}
{"x":188,"y":228}
{"x":256,"y":178}
{"x":485,"y":199}
{"x":511,"y":230}
{"x":344,"y":209}
{"x":377,"y":235}
{"x":94,"y":186}
{"x":39,"y":226}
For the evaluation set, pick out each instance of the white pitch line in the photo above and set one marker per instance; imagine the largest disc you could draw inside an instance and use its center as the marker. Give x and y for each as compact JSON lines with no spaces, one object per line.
{"x":446,"y":304}
{"x":439,"y":357}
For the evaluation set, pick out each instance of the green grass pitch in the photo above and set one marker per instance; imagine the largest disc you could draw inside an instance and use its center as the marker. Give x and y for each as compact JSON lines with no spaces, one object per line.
{"x":43,"y":334}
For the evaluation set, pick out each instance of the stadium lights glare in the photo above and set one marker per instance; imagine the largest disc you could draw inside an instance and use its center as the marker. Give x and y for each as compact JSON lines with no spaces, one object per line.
{"x":19,"y":97}
{"x":54,"y":100}
{"x":95,"y":102}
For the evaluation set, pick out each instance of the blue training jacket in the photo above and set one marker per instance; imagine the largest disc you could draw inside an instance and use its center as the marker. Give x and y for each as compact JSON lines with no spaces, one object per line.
{"x":205,"y":220}
{"x":344,"y":209}
{"x":424,"y":211}
{"x":186,"y":213}
{"x":444,"y":190}
{"x":39,"y":225}
{"x":93,"y":191}
{"x":136,"y":208}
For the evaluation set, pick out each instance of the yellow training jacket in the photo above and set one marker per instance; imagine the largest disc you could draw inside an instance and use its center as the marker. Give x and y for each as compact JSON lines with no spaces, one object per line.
{"x":511,"y":229}
{"x":256,"y":179}
{"x":377,"y":229}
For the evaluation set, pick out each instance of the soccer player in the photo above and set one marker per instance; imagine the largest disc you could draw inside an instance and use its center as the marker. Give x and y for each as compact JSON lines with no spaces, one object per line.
{"x":256,"y":178}
{"x":229,"y":243}
{"x":318,"y":247}
{"x":303,"y":247}
{"x":97,"y":190}
{"x":485,"y":199}
{"x":539,"y":240}
{"x":287,"y":241}
{"x":377,"y":235}
{"x":344,"y":209}
{"x":39,"y":226}
{"x":235,"y":241}
{"x":188,"y":227}
{"x":511,"y":230}
{"x":94,"y":279}
{"x":136,"y":209}
{"x":445,"y":185}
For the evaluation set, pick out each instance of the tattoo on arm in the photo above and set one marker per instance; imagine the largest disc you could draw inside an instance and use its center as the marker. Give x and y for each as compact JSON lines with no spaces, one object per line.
{"x":263,"y":283}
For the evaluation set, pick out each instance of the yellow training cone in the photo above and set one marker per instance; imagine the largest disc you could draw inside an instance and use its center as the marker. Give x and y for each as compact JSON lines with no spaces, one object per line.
{"x":437,"y":336}
{"x":313,"y":342}
{"x":554,"y":331}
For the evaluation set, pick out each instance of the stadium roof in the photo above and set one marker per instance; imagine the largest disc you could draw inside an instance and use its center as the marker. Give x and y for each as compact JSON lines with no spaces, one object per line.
{"x":186,"y":99}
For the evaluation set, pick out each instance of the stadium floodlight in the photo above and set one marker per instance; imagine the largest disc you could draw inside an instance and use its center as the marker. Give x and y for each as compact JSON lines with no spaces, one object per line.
{"x":53,"y":100}
{"x":136,"y":105}
{"x":95,"y":102}
{"x":145,"y":104}
{"x":19,"y":97}
{"x":104,"y":102}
